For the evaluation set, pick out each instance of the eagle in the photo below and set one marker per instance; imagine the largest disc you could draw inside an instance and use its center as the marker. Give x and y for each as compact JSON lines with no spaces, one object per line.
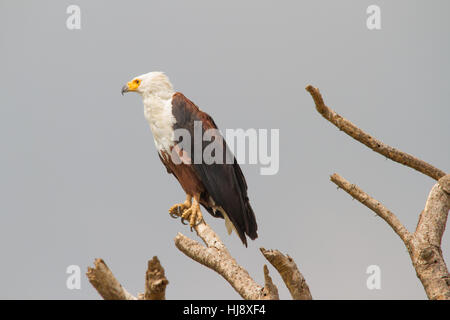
{"x":220,"y":187}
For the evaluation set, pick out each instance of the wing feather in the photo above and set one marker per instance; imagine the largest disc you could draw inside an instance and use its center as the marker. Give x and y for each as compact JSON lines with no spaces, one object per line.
{"x":224,"y":182}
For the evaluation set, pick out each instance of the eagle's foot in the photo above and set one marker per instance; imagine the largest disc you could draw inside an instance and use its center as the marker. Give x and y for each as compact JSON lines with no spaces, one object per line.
{"x":193,"y":214}
{"x":178,"y":209}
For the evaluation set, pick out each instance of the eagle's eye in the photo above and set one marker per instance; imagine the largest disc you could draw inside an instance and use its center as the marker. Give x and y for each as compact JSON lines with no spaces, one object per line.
{"x":137,"y":81}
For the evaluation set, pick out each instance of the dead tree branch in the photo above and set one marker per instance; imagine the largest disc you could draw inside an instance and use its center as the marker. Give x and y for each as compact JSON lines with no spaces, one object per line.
{"x":290,"y":274}
{"x":214,"y":256}
{"x":217,"y":257}
{"x":155,"y":281}
{"x":270,"y":291}
{"x":374,"y":144}
{"x":103,"y":280}
{"x":424,"y":245}
{"x":374,"y":205}
{"x":426,"y":253}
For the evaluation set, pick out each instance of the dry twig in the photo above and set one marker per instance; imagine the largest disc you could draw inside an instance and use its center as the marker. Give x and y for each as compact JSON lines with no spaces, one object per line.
{"x":374,"y":144}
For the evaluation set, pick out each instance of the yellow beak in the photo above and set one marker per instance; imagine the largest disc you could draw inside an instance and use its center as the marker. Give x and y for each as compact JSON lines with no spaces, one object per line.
{"x":130,"y":86}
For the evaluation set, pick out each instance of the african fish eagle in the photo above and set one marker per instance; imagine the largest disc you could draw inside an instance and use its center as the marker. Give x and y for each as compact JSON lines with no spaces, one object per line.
{"x":219,"y":187}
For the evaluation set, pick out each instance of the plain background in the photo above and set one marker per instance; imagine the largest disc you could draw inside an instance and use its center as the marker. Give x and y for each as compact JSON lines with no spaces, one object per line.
{"x":81,"y":179}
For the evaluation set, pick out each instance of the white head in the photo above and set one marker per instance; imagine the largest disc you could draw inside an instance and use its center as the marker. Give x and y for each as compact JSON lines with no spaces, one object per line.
{"x":150,"y":84}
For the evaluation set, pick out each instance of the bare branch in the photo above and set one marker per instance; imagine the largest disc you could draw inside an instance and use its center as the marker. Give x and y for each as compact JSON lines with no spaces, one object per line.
{"x":103,"y":280}
{"x":425,"y":252}
{"x":373,"y":205}
{"x":155,"y":281}
{"x":374,"y":144}
{"x":290,"y":274}
{"x":216,"y":257}
{"x":434,"y":217}
{"x":424,"y":245}
{"x":270,"y":291}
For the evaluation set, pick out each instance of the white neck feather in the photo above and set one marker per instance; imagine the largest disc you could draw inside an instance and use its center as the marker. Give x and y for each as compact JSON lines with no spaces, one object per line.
{"x":158,"y":112}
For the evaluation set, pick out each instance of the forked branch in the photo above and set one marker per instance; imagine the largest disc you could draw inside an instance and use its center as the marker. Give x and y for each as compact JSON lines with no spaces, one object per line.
{"x":217,"y":257}
{"x":103,"y":280}
{"x":214,"y":256}
{"x":290,"y":274}
{"x":424,"y":245}
{"x":109,"y":288}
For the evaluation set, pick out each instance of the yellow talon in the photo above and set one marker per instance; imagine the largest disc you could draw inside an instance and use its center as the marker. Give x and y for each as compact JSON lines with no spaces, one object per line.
{"x":193,"y":214}
{"x":177,"y":210}
{"x":189,"y":210}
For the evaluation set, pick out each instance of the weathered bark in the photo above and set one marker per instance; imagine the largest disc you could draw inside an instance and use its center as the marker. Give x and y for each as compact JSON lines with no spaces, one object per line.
{"x":290,"y":274}
{"x":103,"y":280}
{"x":425,"y":249}
{"x":270,"y":291}
{"x":216,"y":257}
{"x":424,"y":245}
{"x":155,"y":281}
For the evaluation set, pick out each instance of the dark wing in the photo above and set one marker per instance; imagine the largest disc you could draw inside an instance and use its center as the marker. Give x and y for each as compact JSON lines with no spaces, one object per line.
{"x":224,"y":181}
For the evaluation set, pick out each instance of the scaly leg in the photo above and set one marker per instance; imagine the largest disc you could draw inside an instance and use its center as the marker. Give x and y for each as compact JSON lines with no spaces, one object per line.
{"x":177,"y":210}
{"x":193,"y":213}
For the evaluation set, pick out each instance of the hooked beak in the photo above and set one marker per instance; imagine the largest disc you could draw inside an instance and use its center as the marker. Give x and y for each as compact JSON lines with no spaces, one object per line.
{"x":125,"y":89}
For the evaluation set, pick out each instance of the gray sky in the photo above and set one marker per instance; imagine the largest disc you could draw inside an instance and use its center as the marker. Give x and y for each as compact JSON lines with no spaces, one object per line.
{"x":80,"y":176}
